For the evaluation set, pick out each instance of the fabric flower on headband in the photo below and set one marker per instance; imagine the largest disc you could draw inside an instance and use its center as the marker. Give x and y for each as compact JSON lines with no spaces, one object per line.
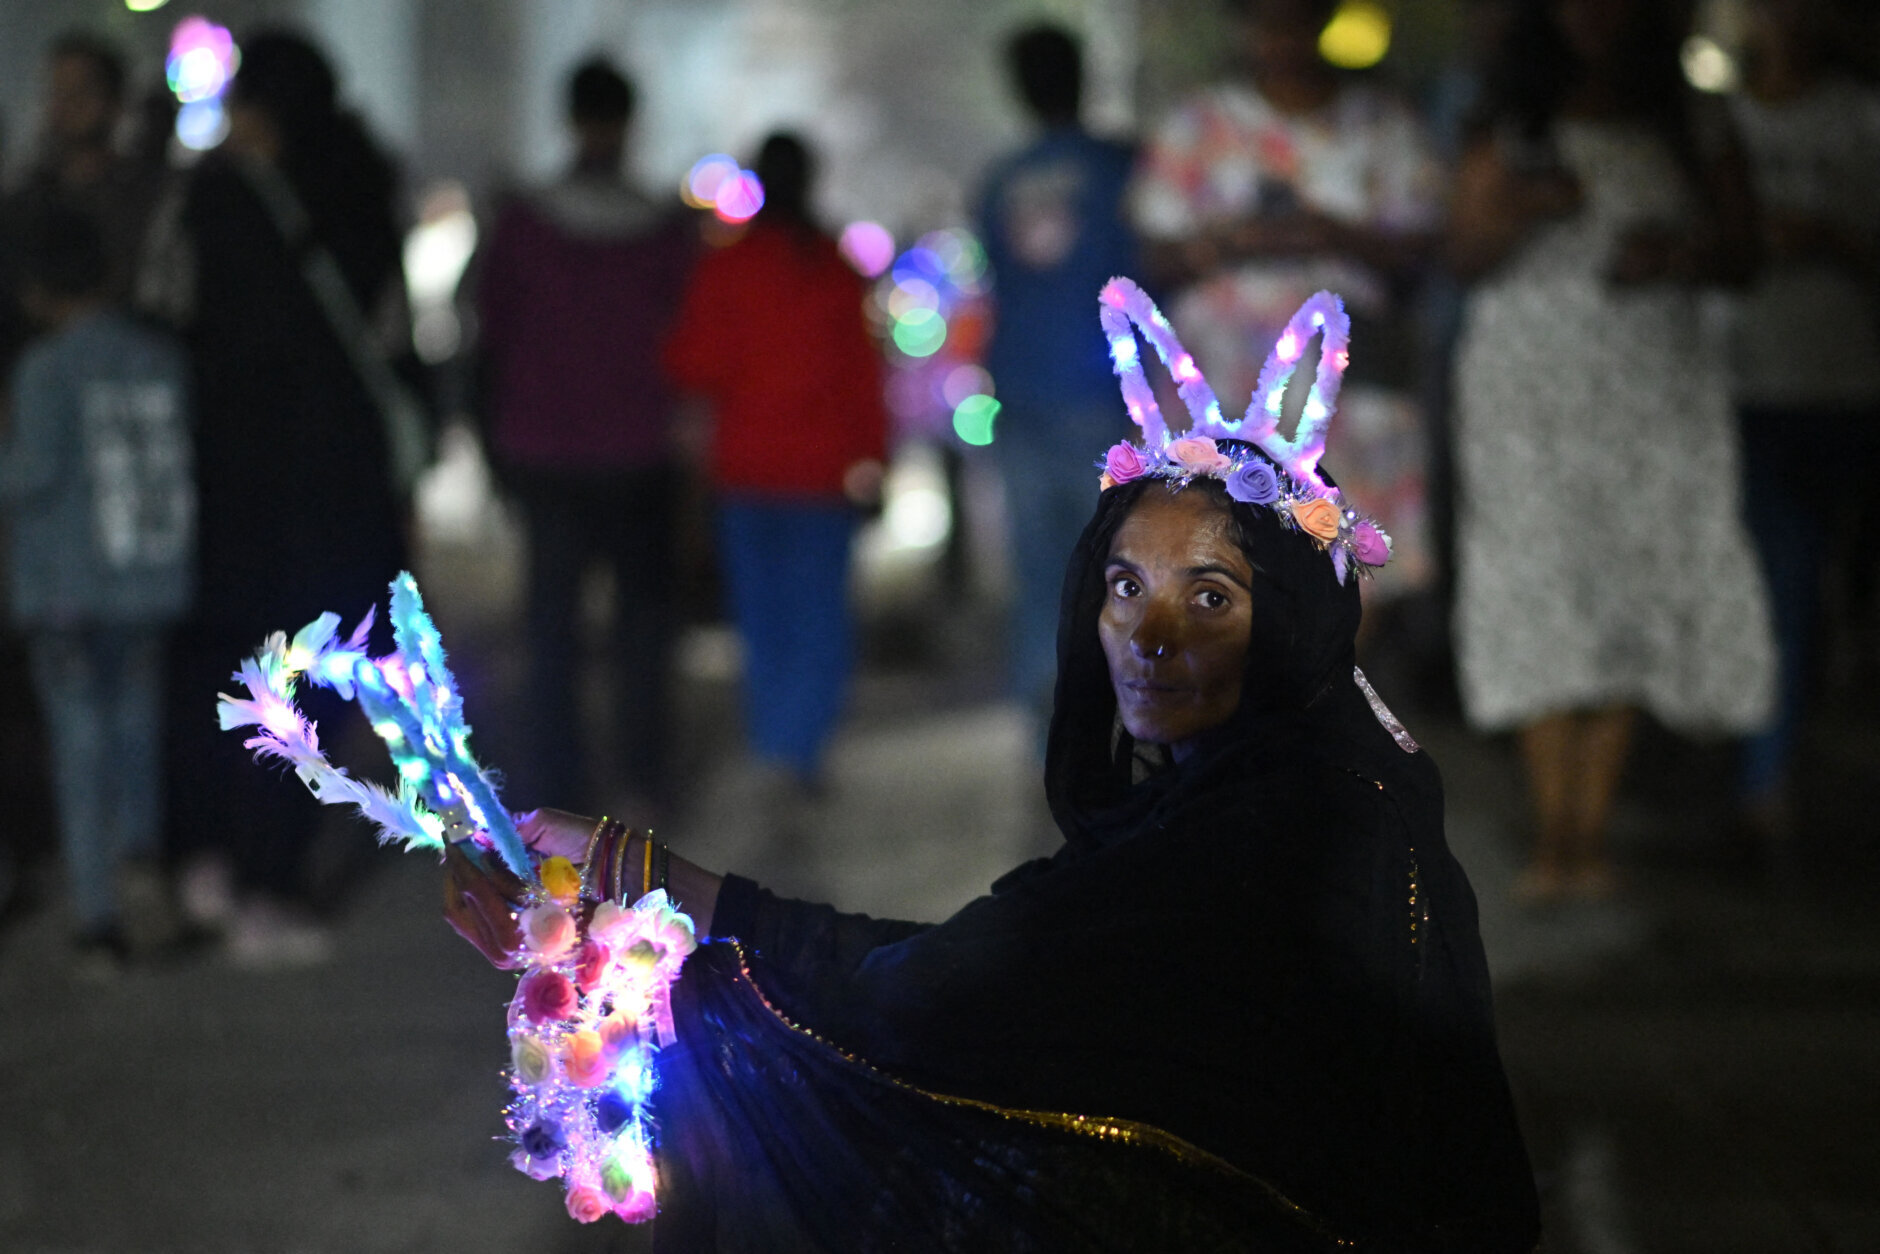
{"x":1254,"y":482}
{"x":1261,"y":467}
{"x":1198,"y":455}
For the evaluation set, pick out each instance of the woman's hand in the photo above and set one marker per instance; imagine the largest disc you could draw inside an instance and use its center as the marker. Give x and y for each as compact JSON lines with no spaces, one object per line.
{"x":481,"y":906}
{"x":556,"y":833}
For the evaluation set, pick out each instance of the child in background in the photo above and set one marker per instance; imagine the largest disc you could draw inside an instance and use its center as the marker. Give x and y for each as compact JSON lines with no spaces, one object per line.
{"x":96,"y":481}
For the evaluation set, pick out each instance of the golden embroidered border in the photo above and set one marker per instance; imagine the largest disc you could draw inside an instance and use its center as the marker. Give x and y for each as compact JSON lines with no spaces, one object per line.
{"x":1123,"y":1131}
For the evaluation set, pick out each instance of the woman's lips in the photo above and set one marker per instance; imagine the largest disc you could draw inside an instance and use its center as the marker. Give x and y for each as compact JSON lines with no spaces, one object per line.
{"x":1151,"y":689}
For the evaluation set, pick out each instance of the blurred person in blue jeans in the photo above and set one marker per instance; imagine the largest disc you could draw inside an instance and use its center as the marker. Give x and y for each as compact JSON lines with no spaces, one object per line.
{"x":1053,"y":225}
{"x":76,"y":161}
{"x":97,"y":484}
{"x":772,"y":334}
{"x":1811,"y":136}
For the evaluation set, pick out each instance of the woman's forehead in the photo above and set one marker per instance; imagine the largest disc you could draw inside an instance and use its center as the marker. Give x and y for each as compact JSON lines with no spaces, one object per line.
{"x":1182,"y":528}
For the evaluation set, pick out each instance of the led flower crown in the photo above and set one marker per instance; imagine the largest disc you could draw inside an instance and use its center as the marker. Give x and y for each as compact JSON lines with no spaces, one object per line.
{"x":1266,"y":469}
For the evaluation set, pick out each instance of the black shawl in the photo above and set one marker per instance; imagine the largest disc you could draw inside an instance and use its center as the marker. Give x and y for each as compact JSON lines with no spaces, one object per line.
{"x":1244,"y":1007}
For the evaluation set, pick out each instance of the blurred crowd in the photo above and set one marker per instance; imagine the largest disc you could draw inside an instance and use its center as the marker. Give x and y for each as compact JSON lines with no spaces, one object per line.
{"x":1614,"y":392}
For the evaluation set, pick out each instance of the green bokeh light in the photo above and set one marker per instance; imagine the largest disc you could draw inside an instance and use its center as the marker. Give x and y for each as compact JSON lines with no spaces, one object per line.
{"x":973,"y":419}
{"x":920,"y":332}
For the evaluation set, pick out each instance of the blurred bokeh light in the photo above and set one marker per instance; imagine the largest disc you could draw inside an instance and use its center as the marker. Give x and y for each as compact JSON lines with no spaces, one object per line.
{"x":203,"y":58}
{"x":868,"y":246}
{"x":1358,"y":35}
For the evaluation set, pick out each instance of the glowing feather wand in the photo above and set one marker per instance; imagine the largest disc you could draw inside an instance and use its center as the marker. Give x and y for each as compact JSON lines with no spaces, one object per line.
{"x":593,"y":1006}
{"x":412,"y":701}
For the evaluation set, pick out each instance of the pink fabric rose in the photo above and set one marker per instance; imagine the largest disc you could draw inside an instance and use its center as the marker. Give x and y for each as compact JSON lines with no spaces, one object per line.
{"x":1371,"y":545}
{"x":585,"y":1205}
{"x":547,"y":996}
{"x":1123,"y":463}
{"x":591,"y":966}
{"x":1199,"y":455}
{"x":548,"y":931}
{"x":638,"y":1208}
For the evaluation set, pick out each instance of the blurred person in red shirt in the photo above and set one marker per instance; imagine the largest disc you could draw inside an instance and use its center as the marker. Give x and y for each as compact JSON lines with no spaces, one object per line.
{"x":772,"y":334}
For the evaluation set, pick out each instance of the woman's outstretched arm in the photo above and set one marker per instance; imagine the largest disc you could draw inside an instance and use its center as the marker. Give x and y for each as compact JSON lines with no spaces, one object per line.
{"x":481,"y":902}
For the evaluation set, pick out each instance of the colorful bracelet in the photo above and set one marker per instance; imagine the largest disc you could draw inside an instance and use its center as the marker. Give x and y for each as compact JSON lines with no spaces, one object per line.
{"x":603,"y":853}
{"x":587,"y":858}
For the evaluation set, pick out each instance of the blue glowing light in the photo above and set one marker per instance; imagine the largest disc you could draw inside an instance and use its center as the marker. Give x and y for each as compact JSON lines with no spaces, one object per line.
{"x":201,"y":125}
{"x":633,"y":1078}
{"x":920,"y":263}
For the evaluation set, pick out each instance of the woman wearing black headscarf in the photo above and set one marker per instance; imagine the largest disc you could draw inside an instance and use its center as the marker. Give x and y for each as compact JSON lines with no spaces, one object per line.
{"x":281,"y":267}
{"x":1244,"y":1007}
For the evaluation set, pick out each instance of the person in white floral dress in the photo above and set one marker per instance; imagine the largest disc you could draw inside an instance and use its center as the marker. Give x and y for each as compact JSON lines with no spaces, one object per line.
{"x":1602,"y":564}
{"x":1286,"y":180}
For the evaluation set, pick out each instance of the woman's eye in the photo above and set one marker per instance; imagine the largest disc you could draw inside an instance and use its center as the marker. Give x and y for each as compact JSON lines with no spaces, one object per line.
{"x":1124,"y":586}
{"x":1212,"y":599}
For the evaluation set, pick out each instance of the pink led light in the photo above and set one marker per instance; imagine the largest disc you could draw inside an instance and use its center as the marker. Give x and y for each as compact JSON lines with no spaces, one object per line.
{"x":962,"y":382}
{"x":393,"y":668}
{"x":202,"y":60}
{"x":868,"y":246}
{"x":279,"y":718}
{"x":739,"y":198}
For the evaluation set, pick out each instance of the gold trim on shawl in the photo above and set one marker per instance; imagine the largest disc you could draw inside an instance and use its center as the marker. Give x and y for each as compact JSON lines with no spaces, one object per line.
{"x":1104,"y":1128}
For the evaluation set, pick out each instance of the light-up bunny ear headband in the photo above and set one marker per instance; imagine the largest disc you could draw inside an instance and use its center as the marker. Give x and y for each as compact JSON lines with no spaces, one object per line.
{"x":1283,"y":475}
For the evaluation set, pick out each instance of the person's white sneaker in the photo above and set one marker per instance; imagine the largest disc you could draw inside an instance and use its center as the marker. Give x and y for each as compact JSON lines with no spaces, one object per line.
{"x":205,"y":892}
{"x":267,"y":936}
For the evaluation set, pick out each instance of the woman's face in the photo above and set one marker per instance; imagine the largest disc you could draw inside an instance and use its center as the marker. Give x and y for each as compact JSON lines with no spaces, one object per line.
{"x":1177,"y":616}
